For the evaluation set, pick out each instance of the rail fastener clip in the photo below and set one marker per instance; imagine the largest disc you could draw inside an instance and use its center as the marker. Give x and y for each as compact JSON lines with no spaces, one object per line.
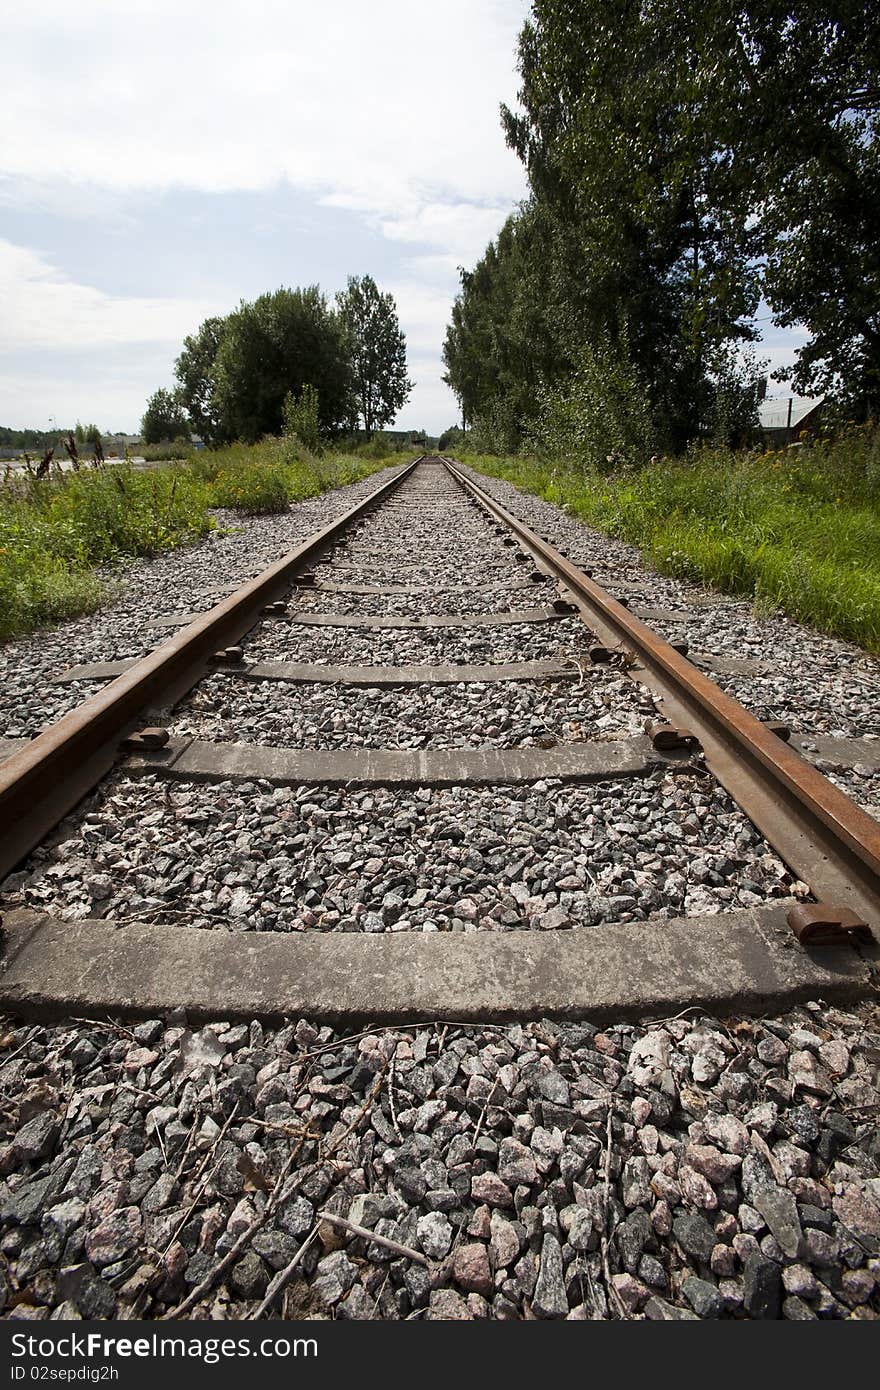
{"x":668,"y":736}
{"x":827,"y":924}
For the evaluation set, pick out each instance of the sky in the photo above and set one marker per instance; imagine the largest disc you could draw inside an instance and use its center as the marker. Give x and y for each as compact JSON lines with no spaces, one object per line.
{"x":161,"y":160}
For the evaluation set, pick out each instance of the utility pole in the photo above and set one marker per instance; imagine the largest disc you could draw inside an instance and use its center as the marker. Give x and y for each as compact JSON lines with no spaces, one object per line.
{"x":788,"y":421}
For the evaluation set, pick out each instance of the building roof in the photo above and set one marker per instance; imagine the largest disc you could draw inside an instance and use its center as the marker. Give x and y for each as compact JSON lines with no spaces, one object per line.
{"x":773,"y":414}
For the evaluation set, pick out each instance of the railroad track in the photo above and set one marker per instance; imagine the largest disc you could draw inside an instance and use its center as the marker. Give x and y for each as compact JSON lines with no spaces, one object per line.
{"x":399,"y":680}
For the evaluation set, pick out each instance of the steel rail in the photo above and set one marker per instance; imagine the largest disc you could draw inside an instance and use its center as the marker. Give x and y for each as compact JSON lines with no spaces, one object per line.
{"x":829,"y":841}
{"x":46,"y":779}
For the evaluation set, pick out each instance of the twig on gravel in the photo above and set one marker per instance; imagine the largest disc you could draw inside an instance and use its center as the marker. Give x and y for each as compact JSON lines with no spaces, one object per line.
{"x":365,"y":1234}
{"x":230,"y":1257}
{"x":436,"y":1023}
{"x":391,"y":1095}
{"x":361,"y":1113}
{"x":283,"y":1276}
{"x":653,"y":1022}
{"x":107,"y":1026}
{"x":161,"y":1146}
{"x":483,"y":1113}
{"x":275,"y":1196}
{"x":606,"y":1267}
{"x":195,"y":1177}
{"x":27,"y":1042}
{"x":188,"y":1145}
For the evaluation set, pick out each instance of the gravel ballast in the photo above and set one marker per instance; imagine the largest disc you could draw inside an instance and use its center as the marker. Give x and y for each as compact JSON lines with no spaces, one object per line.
{"x":815,"y":683}
{"x":245,"y":856}
{"x":177,"y":582}
{"x":333,"y":646}
{"x":697,"y":1168}
{"x":510,"y":714}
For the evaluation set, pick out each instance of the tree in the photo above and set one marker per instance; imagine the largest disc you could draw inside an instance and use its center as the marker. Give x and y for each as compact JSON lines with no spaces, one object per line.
{"x":508,"y":328}
{"x":86,"y":434}
{"x":282,"y":342}
{"x":449,"y":439}
{"x":653,"y":237}
{"x":380,"y":386}
{"x":164,"y":418}
{"x":798,"y":101}
{"x":689,"y":157}
{"x":195,"y":370}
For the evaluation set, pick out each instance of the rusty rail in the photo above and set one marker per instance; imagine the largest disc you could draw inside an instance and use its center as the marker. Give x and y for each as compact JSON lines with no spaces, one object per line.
{"x":830,"y":843}
{"x":45,"y":780}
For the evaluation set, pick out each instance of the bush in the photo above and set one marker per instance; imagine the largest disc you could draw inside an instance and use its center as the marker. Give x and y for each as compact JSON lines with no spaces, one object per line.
{"x":169,"y":450}
{"x":53,"y":531}
{"x":37,"y":588}
{"x":258,"y":479}
{"x":496,"y":431}
{"x":599,"y":418}
{"x":256,"y":491}
{"x":300,"y":415}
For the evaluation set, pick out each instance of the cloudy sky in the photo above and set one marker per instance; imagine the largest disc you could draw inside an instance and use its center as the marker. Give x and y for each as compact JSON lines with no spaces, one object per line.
{"x":160,"y":160}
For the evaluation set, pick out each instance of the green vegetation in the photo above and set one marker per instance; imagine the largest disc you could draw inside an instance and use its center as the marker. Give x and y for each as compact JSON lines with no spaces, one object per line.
{"x":37,"y":440}
{"x":55,"y":531}
{"x":166,"y":451}
{"x":263,"y":478}
{"x":238,"y":375}
{"x":164,"y":418}
{"x":685,"y":161}
{"x":301,"y":423}
{"x":379,"y":383}
{"x":688,"y":164}
{"x":797,"y":529}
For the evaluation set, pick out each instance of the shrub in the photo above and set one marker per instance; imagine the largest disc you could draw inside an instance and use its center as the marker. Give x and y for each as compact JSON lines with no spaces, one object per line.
{"x":598,"y":418}
{"x":256,"y":491}
{"x":167,"y":450}
{"x":300,"y":414}
{"x":54,"y":530}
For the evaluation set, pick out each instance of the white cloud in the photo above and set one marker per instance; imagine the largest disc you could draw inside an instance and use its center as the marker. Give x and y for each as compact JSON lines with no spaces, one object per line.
{"x":462,"y":229}
{"x":387,"y":108}
{"x":41,"y":308}
{"x":424,"y":313}
{"x":390,"y":107}
{"x":112,"y":396}
{"x":432,"y":406}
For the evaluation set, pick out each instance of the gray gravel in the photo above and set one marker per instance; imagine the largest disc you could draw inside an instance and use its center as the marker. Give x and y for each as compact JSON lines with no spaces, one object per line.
{"x":494,"y":599}
{"x":693,"y":1168}
{"x":698,"y":1168}
{"x":247,"y":857}
{"x":277,"y":640}
{"x":815,"y":683}
{"x":509,"y":714}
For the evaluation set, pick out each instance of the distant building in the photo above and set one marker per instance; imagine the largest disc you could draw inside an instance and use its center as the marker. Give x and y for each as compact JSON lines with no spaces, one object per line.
{"x":783,"y":419}
{"x":115,"y":445}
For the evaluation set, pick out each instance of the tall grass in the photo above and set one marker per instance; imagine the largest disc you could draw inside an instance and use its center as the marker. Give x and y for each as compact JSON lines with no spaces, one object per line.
{"x":262,"y":478}
{"x":168,"y":451}
{"x":796,"y":529}
{"x":55,"y":532}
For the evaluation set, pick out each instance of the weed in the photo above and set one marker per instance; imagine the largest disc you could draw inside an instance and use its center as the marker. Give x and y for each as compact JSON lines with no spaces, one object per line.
{"x":796,"y":529}
{"x":56,"y":529}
